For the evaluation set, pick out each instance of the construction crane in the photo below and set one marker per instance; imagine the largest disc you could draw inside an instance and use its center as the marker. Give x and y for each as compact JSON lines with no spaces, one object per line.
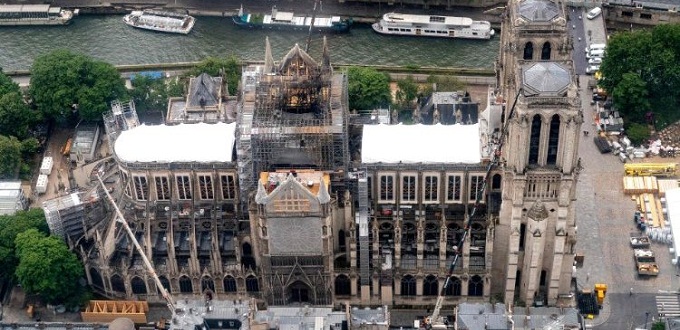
{"x":436,"y":321}
{"x":121,"y":219}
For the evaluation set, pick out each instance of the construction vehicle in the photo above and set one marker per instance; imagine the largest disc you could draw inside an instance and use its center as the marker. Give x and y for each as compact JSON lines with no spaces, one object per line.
{"x":647,"y":169}
{"x":600,"y":292}
{"x":121,"y":219}
{"x":436,"y":321}
{"x":646,"y":263}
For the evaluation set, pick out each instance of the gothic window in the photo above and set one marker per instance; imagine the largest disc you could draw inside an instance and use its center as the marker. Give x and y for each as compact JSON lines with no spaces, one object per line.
{"x":431,"y":189}
{"x":430,"y":286}
{"x":229,"y":284}
{"x":545,"y":51}
{"x":162,"y":188}
{"x":454,"y":288}
{"x":386,"y":188}
{"x":453,"y":188}
{"x":292,"y":201}
{"x":138,"y":285}
{"x":476,"y":186}
{"x":408,"y":286}
{"x":97,"y":281}
{"x":206,"y":187}
{"x":476,"y":286}
{"x":522,"y":236}
{"x":341,"y":240}
{"x":117,"y":283}
{"x":553,"y":140}
{"x":228,"y":187}
{"x":408,"y":188}
{"x":166,"y":283}
{"x":528,"y":51}
{"x":369,"y":184}
{"x":544,"y":275}
{"x":185,"y":285}
{"x":251,"y":284}
{"x":141,"y":188}
{"x":535,"y":139}
{"x":496,"y":182}
{"x":207,"y":283}
{"x":183,"y":187}
{"x":342,"y":286}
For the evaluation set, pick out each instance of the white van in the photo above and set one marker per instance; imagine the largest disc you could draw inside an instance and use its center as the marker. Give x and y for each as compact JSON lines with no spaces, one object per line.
{"x":595,"y":53}
{"x":595,"y":46}
{"x":594,"y":13}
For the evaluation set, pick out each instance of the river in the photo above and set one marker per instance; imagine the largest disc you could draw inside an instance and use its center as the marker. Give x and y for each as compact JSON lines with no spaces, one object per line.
{"x":107,"y":38}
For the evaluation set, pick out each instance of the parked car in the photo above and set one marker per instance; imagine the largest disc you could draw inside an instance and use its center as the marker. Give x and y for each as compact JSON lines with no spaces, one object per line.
{"x":595,"y":61}
{"x":595,"y":46}
{"x":594,"y":13}
{"x":591,"y":69}
{"x":595,"y":53}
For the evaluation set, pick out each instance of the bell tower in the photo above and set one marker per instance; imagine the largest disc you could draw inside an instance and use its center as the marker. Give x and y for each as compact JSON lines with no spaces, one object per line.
{"x":536,"y":230}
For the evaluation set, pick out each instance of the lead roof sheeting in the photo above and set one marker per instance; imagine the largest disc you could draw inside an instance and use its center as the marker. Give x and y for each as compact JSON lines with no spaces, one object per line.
{"x":538,"y":10}
{"x":206,"y":88}
{"x":458,"y":144}
{"x":178,"y":143}
{"x":545,"y":78}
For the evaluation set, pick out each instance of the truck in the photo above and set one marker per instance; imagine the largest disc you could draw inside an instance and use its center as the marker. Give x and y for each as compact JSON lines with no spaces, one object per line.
{"x":646,"y":263}
{"x":638,"y":241}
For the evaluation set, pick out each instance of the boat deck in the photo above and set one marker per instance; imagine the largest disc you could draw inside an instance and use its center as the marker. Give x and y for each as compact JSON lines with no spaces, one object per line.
{"x":302,"y":20}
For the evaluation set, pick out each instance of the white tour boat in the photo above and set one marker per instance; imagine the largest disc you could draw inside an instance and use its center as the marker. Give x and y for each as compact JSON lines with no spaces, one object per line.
{"x":160,"y":21}
{"x":14,"y":15}
{"x":433,"y":26}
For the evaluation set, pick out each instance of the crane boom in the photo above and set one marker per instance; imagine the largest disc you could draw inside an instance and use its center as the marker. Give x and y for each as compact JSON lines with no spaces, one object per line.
{"x":435,"y":319}
{"x":149,"y":267}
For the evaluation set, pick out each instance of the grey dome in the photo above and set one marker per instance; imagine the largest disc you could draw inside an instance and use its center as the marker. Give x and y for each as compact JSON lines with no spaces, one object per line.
{"x":122,"y":323}
{"x":538,"y":10}
{"x":545,"y":78}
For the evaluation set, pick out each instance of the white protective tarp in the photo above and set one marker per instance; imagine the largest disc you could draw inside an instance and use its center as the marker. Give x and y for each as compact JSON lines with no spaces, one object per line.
{"x":201,"y":143}
{"x":673,"y":216}
{"x":421,"y":144}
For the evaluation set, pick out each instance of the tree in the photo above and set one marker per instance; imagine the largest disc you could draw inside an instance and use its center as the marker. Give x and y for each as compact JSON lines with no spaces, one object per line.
{"x":63,"y":82}
{"x":229,"y":68}
{"x":631,"y":96}
{"x":10,"y":227}
{"x":10,"y":156}
{"x":407,"y":92}
{"x":367,"y":88}
{"x":652,"y":55}
{"x":47,"y":267}
{"x":16,"y":117}
{"x":7,"y":85}
{"x":149,"y":93}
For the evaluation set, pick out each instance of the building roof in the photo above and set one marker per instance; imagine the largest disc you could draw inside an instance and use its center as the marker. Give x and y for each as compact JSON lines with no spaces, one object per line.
{"x":538,"y":10}
{"x":421,"y":144}
{"x":204,"y":91}
{"x":545,"y":78}
{"x":301,"y":318}
{"x":202,"y":143}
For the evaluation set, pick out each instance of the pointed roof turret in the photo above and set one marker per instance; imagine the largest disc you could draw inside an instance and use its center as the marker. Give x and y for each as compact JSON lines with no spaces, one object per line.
{"x":296,"y":51}
{"x":323,"y":195}
{"x":268,"y":58}
{"x":261,"y":197}
{"x":326,"y":60}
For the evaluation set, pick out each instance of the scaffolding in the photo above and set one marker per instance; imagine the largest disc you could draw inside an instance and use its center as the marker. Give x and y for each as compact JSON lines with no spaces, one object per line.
{"x":122,"y":117}
{"x":293,"y":115}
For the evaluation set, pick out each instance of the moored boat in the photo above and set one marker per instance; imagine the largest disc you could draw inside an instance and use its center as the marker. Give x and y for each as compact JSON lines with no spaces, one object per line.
{"x":433,"y":26}
{"x":160,"y":21}
{"x":288,"y":20}
{"x":15,"y":15}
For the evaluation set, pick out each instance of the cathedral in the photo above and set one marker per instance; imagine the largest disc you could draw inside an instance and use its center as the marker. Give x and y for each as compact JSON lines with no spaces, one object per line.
{"x":281,"y":194}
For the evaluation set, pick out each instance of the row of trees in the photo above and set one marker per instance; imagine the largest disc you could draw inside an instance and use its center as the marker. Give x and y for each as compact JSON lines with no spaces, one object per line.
{"x":42,"y":264}
{"x":641,"y":72}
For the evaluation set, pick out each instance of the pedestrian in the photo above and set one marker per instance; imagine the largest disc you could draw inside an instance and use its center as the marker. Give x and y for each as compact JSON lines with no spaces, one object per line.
{"x":631,"y":291}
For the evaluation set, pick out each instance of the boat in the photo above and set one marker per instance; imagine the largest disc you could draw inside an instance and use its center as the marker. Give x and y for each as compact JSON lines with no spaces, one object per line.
{"x":15,"y":15}
{"x":433,"y":26}
{"x":287,"y":20}
{"x":161,"y":21}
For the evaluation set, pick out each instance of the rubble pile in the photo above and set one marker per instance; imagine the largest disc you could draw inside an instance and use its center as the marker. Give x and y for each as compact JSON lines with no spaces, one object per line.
{"x":668,"y":140}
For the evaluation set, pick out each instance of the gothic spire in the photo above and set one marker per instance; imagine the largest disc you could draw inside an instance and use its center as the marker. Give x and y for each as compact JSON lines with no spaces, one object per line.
{"x":326,"y":61}
{"x":268,"y":58}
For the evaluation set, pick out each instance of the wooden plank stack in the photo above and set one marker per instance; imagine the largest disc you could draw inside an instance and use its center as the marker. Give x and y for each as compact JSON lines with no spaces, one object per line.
{"x":635,"y":185}
{"x":666,"y":184}
{"x":650,"y":209}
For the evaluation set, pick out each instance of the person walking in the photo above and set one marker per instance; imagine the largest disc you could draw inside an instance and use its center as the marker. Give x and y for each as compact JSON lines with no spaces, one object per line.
{"x":631,"y":292}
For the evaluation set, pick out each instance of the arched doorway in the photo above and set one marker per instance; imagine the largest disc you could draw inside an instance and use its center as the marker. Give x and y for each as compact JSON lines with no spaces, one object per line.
{"x":97,"y":281}
{"x":117,"y":283}
{"x":342,"y":286}
{"x":138,"y":285}
{"x":298,"y":292}
{"x":185,"y":285}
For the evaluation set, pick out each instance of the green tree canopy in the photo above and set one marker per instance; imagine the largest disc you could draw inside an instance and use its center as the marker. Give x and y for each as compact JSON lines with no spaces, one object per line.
{"x":10,"y":156}
{"x":7,"y":85}
{"x":47,"y":267}
{"x":228,"y":67}
{"x":653,"y":56}
{"x":407,"y":92}
{"x":367,"y":88}
{"x":16,"y":117}
{"x":149,"y":93}
{"x":62,"y":79}
{"x":10,"y":227}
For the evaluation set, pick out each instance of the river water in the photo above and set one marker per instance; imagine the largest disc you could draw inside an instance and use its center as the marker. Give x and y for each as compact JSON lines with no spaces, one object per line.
{"x":107,"y":38}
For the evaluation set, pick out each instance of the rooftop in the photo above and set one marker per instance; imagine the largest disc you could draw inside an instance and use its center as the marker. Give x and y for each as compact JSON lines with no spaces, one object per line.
{"x":421,"y":144}
{"x":538,"y":10}
{"x":202,"y":143}
{"x":545,"y":78}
